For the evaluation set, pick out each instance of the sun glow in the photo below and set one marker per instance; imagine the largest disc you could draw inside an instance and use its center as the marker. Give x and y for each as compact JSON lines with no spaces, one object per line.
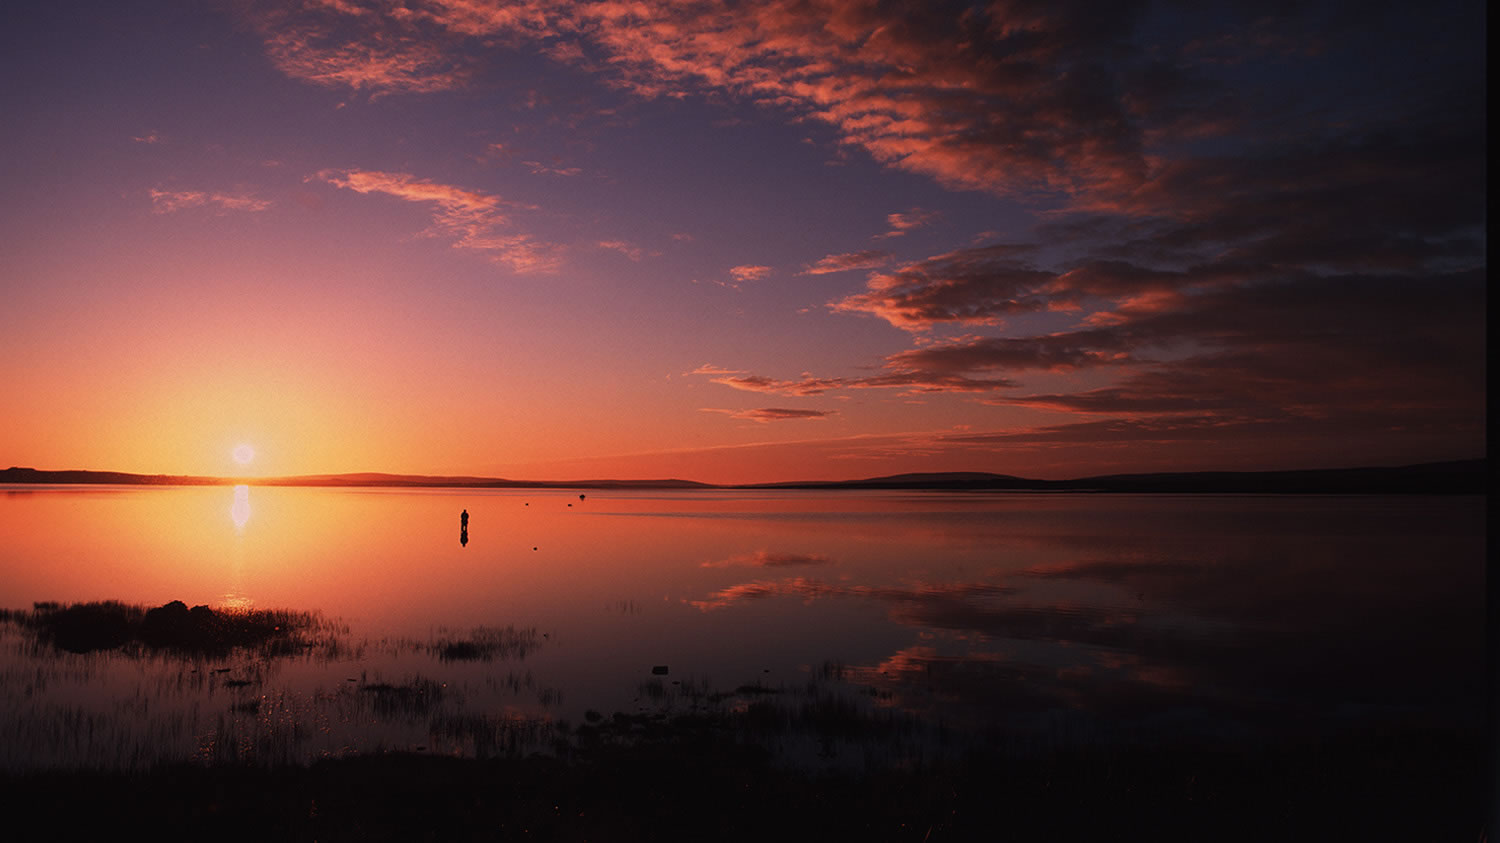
{"x":243,"y":454}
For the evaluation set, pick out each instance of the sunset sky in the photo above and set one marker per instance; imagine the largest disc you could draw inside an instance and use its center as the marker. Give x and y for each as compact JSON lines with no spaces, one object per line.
{"x":740,"y":242}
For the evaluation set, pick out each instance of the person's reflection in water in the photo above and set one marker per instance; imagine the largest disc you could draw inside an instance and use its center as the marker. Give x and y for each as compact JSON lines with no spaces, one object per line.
{"x":463,"y":536}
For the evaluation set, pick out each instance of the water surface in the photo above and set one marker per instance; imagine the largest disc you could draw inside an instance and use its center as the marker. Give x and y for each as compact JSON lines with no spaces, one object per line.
{"x":1093,"y":618}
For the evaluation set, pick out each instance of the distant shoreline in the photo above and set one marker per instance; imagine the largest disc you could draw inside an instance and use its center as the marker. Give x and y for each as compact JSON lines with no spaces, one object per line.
{"x":1462,"y":477}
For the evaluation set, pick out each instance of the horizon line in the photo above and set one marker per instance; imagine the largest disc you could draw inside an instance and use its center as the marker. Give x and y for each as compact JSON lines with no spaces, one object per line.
{"x":939,"y":478}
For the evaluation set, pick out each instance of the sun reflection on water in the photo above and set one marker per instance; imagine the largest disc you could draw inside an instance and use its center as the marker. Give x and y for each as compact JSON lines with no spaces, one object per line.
{"x":239,"y":511}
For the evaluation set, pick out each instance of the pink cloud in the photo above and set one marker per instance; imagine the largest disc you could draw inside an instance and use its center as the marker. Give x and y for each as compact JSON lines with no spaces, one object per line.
{"x":629,"y":250}
{"x":749,"y":272}
{"x":867,"y":259}
{"x":908,"y":221}
{"x":969,"y":287}
{"x":539,"y":169}
{"x":167,"y":201}
{"x":473,"y":220}
{"x":710,"y":369}
{"x":378,"y":65}
{"x":983,"y":100}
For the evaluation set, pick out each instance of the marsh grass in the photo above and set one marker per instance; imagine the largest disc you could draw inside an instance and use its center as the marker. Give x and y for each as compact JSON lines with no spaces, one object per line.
{"x":172,"y":627}
{"x":818,"y":758}
{"x":412,"y":698}
{"x":487,"y":644}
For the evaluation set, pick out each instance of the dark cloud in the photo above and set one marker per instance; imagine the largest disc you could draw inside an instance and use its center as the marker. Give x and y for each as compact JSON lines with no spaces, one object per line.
{"x":770,"y":414}
{"x":1256,"y":222}
{"x":970,"y":286}
{"x":903,"y":378}
{"x":905,"y":221}
{"x":867,"y":259}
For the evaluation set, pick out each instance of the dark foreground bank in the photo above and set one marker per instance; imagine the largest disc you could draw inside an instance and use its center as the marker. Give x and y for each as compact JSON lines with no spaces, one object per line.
{"x":684,"y":780}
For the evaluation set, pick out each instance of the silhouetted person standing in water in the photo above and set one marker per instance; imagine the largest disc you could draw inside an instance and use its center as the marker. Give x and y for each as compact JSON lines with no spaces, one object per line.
{"x":463,"y":520}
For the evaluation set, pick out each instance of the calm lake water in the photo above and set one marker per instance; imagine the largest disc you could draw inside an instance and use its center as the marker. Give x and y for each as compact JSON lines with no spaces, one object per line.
{"x":1053,"y":618}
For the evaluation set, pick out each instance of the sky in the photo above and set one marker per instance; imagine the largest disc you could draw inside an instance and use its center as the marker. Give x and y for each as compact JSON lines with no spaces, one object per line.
{"x":740,"y":241}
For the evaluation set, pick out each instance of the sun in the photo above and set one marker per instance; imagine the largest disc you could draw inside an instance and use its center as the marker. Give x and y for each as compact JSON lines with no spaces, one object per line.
{"x":243,"y":454}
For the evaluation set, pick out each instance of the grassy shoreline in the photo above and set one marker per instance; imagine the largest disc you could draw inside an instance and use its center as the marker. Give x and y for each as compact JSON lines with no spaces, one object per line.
{"x":709,"y":764}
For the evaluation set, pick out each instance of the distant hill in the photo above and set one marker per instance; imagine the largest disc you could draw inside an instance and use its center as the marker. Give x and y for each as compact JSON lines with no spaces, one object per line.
{"x":929,"y":480}
{"x":105,"y":478}
{"x":17,"y":475}
{"x":1459,"y":477}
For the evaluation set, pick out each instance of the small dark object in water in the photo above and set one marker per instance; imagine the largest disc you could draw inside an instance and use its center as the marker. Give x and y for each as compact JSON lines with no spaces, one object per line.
{"x":569,"y":504}
{"x":580,"y":497}
{"x":659,"y":670}
{"x":533,"y":548}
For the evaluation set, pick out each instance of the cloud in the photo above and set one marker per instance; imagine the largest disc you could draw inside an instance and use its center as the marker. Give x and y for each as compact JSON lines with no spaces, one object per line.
{"x":749,"y":272}
{"x":903,"y":222}
{"x":913,"y":380}
{"x":968,"y":287}
{"x":168,"y":201}
{"x":770,"y":559}
{"x":627,"y":249}
{"x":710,"y":369}
{"x":770,"y":414}
{"x":1229,"y":242}
{"x":966,"y":364}
{"x":473,"y":220}
{"x":1049,"y":353}
{"x":379,"y":50}
{"x":1006,"y":98}
{"x":539,"y":169}
{"x":867,"y":259}
{"x":760,"y":383}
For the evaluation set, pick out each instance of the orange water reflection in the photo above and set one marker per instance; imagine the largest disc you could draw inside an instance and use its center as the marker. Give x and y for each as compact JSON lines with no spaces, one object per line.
{"x":239,"y":511}
{"x":960,"y":605}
